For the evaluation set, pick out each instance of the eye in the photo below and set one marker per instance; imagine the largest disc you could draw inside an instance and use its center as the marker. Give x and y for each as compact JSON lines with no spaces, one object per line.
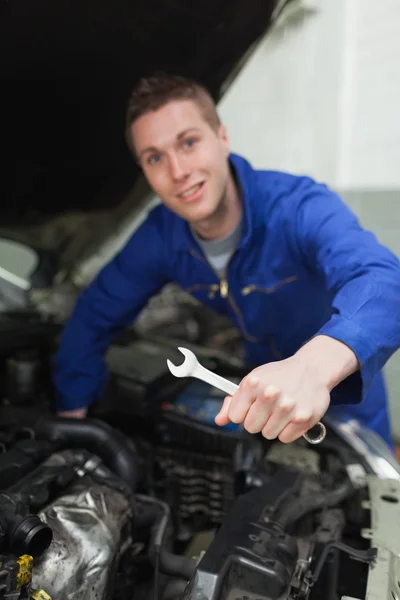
{"x":189,"y":143}
{"x":153,"y":159}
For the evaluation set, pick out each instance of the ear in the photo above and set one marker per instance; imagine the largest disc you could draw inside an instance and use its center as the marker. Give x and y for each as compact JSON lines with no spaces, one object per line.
{"x":223,"y":136}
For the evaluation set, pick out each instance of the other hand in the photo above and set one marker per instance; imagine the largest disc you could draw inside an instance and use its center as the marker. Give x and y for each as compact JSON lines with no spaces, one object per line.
{"x":77,"y":413}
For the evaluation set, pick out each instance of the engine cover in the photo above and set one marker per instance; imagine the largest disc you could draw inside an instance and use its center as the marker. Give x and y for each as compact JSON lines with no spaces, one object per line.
{"x":249,"y":556}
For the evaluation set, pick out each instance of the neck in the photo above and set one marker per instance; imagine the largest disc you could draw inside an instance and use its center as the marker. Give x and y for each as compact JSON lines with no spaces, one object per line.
{"x":225,"y":218}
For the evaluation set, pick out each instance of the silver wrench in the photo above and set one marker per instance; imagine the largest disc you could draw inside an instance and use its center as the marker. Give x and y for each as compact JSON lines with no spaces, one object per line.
{"x":192,"y":368}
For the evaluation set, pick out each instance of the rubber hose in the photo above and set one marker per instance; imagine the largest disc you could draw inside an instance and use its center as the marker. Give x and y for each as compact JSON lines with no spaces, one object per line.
{"x":170,"y":564}
{"x":303,"y":506}
{"x":98,"y":438}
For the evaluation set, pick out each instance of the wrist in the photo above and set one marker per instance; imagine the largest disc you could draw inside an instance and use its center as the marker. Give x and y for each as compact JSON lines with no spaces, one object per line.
{"x":329,"y":360}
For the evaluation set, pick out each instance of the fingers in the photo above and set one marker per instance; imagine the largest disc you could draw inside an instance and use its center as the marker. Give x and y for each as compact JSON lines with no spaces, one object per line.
{"x":239,"y":408}
{"x":281,"y":416}
{"x":243,"y":399}
{"x":222,"y":417}
{"x":261,"y":409}
{"x":296,"y":428}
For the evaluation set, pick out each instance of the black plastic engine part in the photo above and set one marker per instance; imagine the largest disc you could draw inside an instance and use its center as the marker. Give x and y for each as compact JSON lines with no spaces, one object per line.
{"x":180,"y":431}
{"x":198,"y":464}
{"x":249,"y":555}
{"x":139,"y":380}
{"x":199,"y":487}
{"x":21,"y":532}
{"x":22,"y":377}
{"x":23,"y":330}
{"x":96,"y":437}
{"x":22,"y":457}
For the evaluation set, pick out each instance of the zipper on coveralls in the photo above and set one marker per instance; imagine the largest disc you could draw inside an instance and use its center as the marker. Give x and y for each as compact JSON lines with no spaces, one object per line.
{"x":223,"y":288}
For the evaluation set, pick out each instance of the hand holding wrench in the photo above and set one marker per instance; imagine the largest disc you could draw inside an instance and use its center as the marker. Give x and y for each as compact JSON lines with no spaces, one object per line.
{"x":192,"y":368}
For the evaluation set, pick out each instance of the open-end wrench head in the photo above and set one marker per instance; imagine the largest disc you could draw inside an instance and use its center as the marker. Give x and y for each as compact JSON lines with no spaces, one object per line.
{"x":188,"y":365}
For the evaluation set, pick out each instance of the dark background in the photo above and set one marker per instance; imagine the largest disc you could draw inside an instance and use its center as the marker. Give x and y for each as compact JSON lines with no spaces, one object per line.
{"x":67,"y":69}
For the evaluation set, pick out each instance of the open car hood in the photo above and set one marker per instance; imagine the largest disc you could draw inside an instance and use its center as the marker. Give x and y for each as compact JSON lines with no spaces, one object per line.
{"x":66,"y":72}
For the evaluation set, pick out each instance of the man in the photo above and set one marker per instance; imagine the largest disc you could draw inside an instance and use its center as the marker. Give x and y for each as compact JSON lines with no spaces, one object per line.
{"x":316,"y":297}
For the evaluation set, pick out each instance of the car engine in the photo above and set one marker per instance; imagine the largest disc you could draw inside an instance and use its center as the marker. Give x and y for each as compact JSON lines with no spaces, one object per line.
{"x":147,"y":498}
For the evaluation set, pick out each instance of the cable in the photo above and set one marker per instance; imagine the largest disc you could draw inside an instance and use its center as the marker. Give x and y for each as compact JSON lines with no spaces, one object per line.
{"x":156,"y":575}
{"x":367,"y":556}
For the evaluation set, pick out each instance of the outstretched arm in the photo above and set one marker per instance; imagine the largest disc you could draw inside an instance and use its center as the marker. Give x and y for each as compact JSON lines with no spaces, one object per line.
{"x":287,"y":398}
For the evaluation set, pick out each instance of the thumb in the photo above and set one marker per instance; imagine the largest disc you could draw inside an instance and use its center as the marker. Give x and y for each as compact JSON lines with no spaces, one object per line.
{"x":222,"y":417}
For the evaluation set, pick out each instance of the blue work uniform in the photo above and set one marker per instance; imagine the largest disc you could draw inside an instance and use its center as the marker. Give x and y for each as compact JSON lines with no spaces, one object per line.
{"x":303,"y":266}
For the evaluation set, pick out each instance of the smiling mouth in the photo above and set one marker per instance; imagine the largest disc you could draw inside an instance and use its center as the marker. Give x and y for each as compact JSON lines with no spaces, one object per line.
{"x":191,"y":191}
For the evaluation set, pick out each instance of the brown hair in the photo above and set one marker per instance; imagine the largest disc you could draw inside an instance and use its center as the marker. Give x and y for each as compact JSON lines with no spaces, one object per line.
{"x":151,"y":93}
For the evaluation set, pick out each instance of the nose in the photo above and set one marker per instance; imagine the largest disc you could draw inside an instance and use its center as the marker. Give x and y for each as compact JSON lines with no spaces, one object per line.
{"x":178,"y":168}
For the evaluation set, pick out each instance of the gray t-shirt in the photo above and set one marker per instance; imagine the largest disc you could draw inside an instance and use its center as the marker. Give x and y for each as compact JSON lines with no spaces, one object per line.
{"x":218,"y":252}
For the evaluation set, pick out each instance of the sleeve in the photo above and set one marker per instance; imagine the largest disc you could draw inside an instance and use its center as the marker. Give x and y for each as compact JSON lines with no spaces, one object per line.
{"x":362,"y":274}
{"x":112,"y":301}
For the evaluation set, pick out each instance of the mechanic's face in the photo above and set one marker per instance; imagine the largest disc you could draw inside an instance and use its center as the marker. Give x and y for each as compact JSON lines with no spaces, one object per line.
{"x":183,"y":158}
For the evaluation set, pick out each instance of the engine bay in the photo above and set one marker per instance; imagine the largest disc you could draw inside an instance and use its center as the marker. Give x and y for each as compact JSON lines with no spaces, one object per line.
{"x":147,"y":498}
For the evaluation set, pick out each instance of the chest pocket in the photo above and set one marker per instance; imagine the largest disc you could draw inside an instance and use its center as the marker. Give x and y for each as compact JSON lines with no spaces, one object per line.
{"x":268,"y":306}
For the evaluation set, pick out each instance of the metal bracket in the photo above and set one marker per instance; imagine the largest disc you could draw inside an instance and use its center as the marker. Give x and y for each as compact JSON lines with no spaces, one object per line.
{"x":384,"y":504}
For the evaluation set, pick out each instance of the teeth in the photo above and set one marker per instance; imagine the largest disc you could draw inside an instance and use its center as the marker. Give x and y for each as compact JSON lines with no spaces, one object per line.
{"x":191,"y":191}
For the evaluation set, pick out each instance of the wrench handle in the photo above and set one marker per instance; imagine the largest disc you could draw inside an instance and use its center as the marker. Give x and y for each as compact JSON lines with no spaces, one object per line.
{"x":215,"y":380}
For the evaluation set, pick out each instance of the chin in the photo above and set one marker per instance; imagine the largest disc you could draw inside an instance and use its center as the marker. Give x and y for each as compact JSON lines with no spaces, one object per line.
{"x":198,"y":216}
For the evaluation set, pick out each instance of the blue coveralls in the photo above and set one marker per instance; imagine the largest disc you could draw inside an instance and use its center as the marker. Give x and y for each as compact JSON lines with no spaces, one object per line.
{"x":303,"y":266}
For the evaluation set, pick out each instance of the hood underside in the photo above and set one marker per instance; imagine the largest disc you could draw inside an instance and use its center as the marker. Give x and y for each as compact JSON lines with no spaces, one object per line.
{"x":67,"y":69}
